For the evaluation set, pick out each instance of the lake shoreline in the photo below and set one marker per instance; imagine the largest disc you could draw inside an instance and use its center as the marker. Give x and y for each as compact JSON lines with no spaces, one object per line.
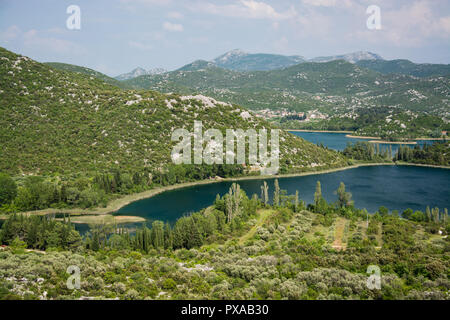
{"x":393,"y":142}
{"x":319,"y":131}
{"x":117,"y":204}
{"x":350,"y":134}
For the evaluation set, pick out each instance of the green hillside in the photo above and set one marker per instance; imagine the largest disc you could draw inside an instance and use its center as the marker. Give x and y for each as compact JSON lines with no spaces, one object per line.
{"x":284,"y":251}
{"x":342,"y":91}
{"x":406,"y":67}
{"x":58,"y":122}
{"x":86,"y":71}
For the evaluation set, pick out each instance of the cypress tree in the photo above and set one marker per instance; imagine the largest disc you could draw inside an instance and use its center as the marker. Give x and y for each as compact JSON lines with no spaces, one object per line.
{"x":157,"y":234}
{"x":276,"y":194}
{"x":317,"y":194}
{"x":428,"y":214}
{"x":168,"y":236}
{"x":95,"y":242}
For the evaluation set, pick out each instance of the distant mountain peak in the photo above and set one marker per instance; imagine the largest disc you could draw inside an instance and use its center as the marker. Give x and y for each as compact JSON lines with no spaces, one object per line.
{"x":233,"y":54}
{"x":240,"y":60}
{"x":197,"y":65}
{"x":137,"y":72}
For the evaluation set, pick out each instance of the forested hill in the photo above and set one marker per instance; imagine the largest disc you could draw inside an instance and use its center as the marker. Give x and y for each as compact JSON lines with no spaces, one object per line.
{"x":335,"y":87}
{"x":86,"y":71}
{"x":58,"y":122}
{"x":407,"y":67}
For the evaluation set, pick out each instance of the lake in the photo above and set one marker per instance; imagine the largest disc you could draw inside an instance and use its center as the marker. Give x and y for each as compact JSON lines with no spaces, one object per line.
{"x":338,"y":141}
{"x":395,"y":187}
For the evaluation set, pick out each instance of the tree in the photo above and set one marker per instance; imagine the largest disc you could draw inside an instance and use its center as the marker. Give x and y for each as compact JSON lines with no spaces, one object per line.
{"x":276,"y":194}
{"x":95,"y":242}
{"x":435,"y":215}
{"x":383,"y":211}
{"x":265,"y":193}
{"x":296,"y":204}
{"x":407,"y":213}
{"x":318,"y":194}
{"x":168,"y":236}
{"x":229,"y":206}
{"x":320,"y":204}
{"x":428,"y":214}
{"x":157,"y":234}
{"x":8,"y":189}
{"x":233,"y":201}
{"x":344,"y":198}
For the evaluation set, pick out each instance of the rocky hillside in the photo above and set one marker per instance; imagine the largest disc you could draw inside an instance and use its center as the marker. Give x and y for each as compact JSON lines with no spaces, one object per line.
{"x":86,"y":71}
{"x":344,"y":93}
{"x":55,"y":122}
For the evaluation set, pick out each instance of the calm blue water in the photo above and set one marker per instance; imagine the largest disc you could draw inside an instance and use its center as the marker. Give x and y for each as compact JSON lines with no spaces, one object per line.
{"x":338,"y":141}
{"x":395,"y":187}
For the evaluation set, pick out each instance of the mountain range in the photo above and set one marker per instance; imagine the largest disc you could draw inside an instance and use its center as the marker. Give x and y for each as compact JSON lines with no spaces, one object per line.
{"x":303,"y":86}
{"x":348,"y":96}
{"x":375,"y":95}
{"x":242,"y":61}
{"x":239,"y":60}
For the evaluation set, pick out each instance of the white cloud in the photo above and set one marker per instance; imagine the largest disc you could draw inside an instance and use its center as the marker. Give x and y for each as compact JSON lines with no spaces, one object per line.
{"x":312,"y":23}
{"x":140,"y":45}
{"x":328,"y":3}
{"x":320,"y":3}
{"x":249,"y":9}
{"x":174,"y":15}
{"x":146,"y":2}
{"x":412,"y":25}
{"x":172,"y":26}
{"x":41,"y":40}
{"x":10,"y":34}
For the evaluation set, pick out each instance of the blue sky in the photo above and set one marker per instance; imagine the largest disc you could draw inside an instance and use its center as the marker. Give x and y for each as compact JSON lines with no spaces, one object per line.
{"x":118,"y":35}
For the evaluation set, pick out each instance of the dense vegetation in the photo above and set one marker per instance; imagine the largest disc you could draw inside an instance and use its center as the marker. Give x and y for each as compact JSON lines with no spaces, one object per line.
{"x":406,"y":67}
{"x":37,"y":192}
{"x":239,"y":248}
{"x":70,"y":139}
{"x":89,"y":141}
{"x":436,"y":154}
{"x":350,"y":97}
{"x":86,"y":71}
{"x":371,"y":152}
{"x":388,"y":123}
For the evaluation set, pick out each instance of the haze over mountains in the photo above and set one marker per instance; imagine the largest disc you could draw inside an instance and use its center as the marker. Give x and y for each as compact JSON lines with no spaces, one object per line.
{"x":139,"y":72}
{"x":239,"y":60}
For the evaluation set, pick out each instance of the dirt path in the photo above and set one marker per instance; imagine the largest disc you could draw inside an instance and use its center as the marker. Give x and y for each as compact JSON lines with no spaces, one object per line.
{"x":339,"y":234}
{"x":262,"y":216}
